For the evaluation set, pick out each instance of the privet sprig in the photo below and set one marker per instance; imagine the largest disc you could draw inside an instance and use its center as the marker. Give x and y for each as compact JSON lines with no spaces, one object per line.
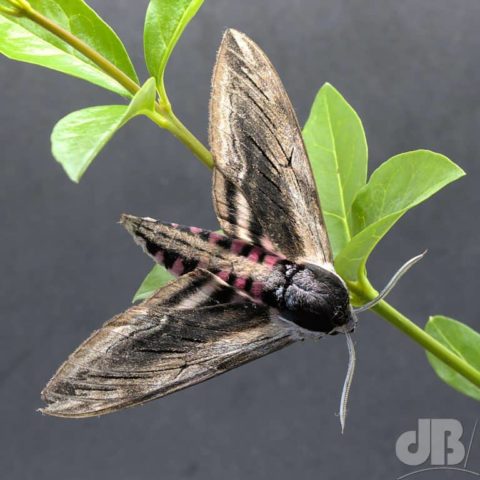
{"x":359,"y":211}
{"x":104,"y":62}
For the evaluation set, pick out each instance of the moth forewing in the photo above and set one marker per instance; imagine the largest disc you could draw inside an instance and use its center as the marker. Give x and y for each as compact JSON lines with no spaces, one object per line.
{"x":155,"y":348}
{"x":267,"y":193}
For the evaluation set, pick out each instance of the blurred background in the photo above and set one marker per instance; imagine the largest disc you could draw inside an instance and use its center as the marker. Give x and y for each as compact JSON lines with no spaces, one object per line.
{"x":411,"y":69}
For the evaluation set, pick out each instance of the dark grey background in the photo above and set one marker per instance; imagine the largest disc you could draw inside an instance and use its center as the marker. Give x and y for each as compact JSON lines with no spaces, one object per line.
{"x":411,"y":69}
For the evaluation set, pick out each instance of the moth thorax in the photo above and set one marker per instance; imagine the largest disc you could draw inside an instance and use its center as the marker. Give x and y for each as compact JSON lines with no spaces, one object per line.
{"x":314,"y":298}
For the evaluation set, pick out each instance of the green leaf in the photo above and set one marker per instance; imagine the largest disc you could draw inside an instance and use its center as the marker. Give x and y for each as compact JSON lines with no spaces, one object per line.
{"x":396,"y":186}
{"x":157,"y":277}
{"x":80,"y":136}
{"x":338,"y":152}
{"x":461,"y":340}
{"x":164,"y":25}
{"x":22,"y":39}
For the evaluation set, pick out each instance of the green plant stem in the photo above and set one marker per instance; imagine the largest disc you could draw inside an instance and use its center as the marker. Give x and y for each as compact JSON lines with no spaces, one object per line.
{"x":429,"y":343}
{"x":164,"y":116}
{"x":169,"y":121}
{"x":400,"y":321}
{"x":177,"y":128}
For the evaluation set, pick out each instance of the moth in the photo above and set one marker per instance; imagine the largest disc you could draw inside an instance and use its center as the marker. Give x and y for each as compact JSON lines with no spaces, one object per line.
{"x":266,"y":282}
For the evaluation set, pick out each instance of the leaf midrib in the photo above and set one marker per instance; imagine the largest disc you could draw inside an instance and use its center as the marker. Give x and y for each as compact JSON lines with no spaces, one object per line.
{"x":337,"y":176}
{"x":174,"y":38}
{"x":448,"y":343}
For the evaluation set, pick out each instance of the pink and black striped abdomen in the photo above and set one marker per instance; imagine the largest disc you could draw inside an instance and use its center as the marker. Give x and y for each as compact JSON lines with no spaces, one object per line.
{"x":312,"y":297}
{"x":183,"y":249}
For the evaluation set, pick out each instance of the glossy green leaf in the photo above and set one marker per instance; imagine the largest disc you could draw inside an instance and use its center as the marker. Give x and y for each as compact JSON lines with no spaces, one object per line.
{"x":164,"y":25}
{"x":395,"y":187}
{"x":338,"y":153}
{"x":157,"y":277}
{"x":22,"y":39}
{"x":80,"y":136}
{"x":461,"y":340}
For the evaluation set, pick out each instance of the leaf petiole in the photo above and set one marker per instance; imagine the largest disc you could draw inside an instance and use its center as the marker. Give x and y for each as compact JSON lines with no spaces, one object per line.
{"x":15,"y":12}
{"x":19,"y":7}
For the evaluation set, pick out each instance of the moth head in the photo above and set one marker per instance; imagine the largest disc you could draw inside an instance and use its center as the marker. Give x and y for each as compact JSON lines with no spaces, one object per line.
{"x":343,"y":315}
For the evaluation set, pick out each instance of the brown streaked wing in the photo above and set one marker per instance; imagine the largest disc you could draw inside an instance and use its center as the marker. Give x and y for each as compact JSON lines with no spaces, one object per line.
{"x":258,"y":149}
{"x":183,"y":335}
{"x":234,"y":213}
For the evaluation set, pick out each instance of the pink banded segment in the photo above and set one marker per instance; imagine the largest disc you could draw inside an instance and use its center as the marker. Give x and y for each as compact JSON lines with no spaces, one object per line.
{"x":256,"y":254}
{"x":271,"y":260}
{"x":237,"y":246}
{"x":257,"y":290}
{"x":215,"y":237}
{"x":224,"y":275}
{"x":240,"y":283}
{"x":178,"y":267}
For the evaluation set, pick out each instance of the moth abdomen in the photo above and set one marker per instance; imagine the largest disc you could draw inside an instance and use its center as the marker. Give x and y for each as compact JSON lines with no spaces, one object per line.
{"x":182,"y":249}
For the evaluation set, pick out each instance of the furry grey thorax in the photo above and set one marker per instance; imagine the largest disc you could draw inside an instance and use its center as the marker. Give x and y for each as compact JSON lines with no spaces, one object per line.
{"x":312,"y":297}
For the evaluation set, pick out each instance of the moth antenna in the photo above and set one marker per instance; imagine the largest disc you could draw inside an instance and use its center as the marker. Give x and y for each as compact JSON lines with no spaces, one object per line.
{"x":352,"y":360}
{"x":391,"y":284}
